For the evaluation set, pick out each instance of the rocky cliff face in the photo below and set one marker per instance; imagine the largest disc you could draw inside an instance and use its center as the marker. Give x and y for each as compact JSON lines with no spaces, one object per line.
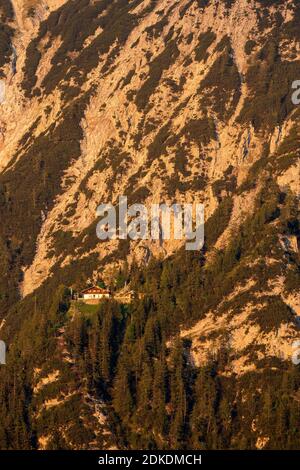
{"x":161,"y":101}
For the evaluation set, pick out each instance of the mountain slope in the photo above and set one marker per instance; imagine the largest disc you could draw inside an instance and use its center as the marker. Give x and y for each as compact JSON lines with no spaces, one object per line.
{"x":160,"y":101}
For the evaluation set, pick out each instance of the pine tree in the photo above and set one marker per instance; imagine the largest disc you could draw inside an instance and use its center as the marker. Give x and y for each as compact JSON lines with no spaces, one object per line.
{"x":160,"y":394}
{"x":178,"y":398}
{"x":122,"y":395}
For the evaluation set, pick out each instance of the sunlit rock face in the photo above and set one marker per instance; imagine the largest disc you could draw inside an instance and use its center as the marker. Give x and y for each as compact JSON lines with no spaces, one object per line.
{"x":162,"y":101}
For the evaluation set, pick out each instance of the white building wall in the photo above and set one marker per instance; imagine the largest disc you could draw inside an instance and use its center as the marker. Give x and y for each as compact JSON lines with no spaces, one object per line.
{"x":95,"y":296}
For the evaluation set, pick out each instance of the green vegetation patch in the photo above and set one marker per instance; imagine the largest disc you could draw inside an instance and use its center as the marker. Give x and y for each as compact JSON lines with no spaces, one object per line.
{"x":273,"y":314}
{"x":156,"y":68}
{"x":204,"y":42}
{"x":220,"y":89}
{"x":6,"y":33}
{"x":269,"y":80}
